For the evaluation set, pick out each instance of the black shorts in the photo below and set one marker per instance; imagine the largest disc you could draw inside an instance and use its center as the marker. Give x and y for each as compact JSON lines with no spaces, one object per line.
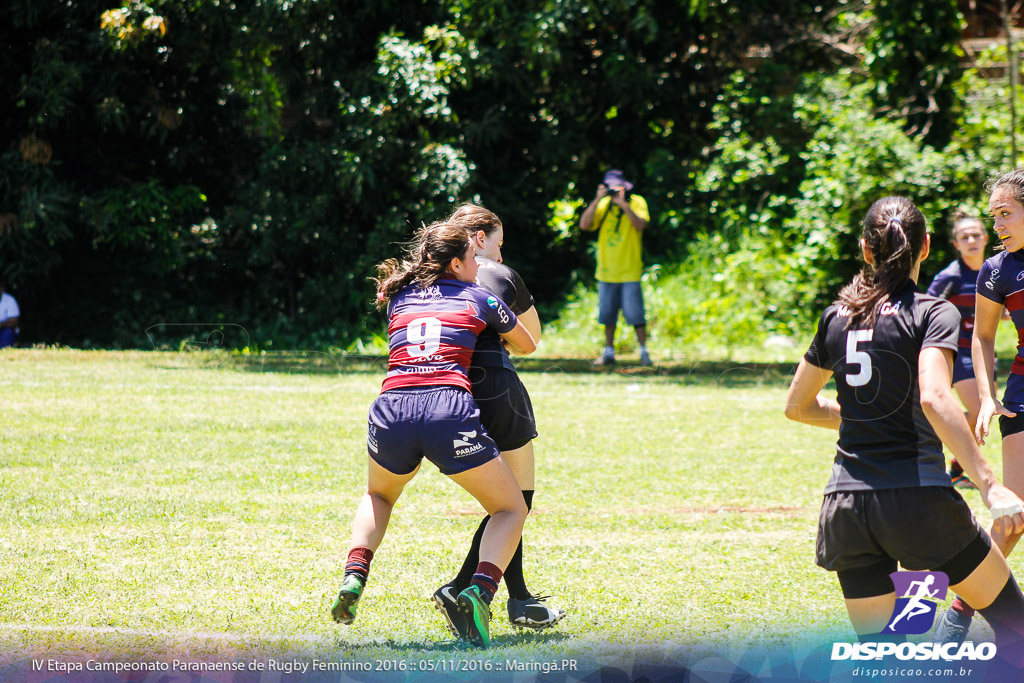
{"x":920,"y":527}
{"x":505,"y":407}
{"x":1011,"y":425}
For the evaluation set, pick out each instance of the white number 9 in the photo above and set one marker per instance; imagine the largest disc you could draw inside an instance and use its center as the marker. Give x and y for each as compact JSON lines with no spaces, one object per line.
{"x":424,"y":337}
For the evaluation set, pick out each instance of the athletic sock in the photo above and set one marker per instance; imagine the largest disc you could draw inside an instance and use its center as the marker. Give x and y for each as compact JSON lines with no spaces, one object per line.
{"x":515,"y":582}
{"x":643,"y":348}
{"x":465,"y":576}
{"x":1006,"y":617}
{"x":487,"y":578}
{"x":609,"y":350}
{"x":962,"y":607}
{"x":359,"y":559}
{"x":514,"y":571}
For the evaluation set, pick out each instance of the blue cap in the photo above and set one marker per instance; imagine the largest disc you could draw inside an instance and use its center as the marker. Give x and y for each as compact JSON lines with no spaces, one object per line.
{"x":614,"y":178}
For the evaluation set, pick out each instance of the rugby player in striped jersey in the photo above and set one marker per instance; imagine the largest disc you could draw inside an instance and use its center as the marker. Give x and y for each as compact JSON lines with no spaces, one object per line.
{"x":435,"y":313}
{"x":956,"y":283}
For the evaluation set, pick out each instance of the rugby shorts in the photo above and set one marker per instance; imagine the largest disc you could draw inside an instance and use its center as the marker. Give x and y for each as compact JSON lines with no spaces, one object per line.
{"x":441,"y":424}
{"x":920,"y":527}
{"x":505,"y":407}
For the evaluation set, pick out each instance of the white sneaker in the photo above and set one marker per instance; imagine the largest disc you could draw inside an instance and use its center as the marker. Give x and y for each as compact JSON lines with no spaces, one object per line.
{"x":605,"y":359}
{"x":645,"y":359}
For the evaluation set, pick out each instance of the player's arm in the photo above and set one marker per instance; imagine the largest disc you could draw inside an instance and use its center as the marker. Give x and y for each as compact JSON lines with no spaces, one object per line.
{"x":983,"y":354}
{"x":935,"y":371}
{"x":804,"y":402}
{"x":520,"y":340}
{"x":531,"y":320}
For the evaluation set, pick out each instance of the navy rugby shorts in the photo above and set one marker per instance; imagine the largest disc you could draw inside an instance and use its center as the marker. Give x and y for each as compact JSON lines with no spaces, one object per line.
{"x":441,"y":424}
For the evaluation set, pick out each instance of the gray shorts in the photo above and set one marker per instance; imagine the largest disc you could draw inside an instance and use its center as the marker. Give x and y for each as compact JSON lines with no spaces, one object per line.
{"x":627,"y":296}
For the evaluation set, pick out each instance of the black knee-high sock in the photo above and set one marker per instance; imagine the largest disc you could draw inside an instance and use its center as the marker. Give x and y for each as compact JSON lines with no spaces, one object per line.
{"x":514,"y":580}
{"x":1006,"y":617}
{"x":465,"y":575}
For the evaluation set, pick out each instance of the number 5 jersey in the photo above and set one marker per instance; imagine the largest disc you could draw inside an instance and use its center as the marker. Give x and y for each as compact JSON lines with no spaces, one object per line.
{"x":885,"y":440}
{"x":433,"y":331}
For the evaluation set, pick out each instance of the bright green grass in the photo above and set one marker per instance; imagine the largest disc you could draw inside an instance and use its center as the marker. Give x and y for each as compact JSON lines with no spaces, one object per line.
{"x":158,"y":505}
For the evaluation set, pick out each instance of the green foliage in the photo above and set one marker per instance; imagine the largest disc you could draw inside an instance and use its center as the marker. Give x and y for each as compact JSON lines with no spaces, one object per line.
{"x":249,"y":163}
{"x":914,"y":70}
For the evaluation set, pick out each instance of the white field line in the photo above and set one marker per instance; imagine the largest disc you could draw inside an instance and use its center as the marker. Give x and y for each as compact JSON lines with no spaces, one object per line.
{"x":176,"y":635}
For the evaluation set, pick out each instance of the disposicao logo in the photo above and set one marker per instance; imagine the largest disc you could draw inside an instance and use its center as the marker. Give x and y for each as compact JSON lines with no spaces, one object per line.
{"x":915,"y":611}
{"x":917,"y":595}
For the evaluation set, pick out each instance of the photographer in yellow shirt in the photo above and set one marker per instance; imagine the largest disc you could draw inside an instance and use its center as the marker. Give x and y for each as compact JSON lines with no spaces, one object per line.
{"x":620,"y":217}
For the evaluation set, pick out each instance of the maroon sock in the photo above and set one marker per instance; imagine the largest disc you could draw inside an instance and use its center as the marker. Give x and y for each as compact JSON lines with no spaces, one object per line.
{"x":960,"y":606}
{"x":359,"y":562}
{"x":487,"y":578}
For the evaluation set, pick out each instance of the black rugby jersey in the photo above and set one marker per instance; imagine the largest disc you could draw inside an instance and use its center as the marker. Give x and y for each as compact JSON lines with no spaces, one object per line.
{"x":507,"y":285}
{"x":885,"y":440}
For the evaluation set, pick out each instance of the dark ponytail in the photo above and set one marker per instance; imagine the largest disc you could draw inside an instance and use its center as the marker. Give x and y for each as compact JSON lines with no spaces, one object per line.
{"x":427,"y":260}
{"x":894,"y":231}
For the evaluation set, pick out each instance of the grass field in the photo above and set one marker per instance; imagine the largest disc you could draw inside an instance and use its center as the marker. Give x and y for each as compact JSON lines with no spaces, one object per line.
{"x":197,"y":505}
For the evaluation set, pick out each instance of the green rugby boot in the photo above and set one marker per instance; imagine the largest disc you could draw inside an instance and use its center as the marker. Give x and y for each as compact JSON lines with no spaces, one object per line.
{"x":478,"y":616}
{"x":344,"y":609}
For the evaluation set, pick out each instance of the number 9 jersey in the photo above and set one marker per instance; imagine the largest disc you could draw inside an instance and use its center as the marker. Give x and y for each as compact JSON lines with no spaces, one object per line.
{"x":432,"y":332}
{"x":885,"y":440}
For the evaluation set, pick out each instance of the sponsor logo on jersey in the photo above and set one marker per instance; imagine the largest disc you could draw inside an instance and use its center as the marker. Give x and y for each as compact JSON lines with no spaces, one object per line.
{"x":492,"y":302}
{"x":432,"y":293}
{"x":427,"y":359}
{"x":991,"y":284}
{"x":416,"y":369}
{"x":1020,"y":276}
{"x":843,"y":311}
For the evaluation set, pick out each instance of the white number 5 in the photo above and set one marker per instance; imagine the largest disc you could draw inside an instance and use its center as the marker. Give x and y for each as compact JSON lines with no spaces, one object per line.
{"x":858,"y":358}
{"x":424,"y":337}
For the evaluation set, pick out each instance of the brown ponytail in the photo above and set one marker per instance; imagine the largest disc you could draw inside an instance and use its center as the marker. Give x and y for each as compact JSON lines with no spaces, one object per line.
{"x":427,"y":260}
{"x":894,"y":231}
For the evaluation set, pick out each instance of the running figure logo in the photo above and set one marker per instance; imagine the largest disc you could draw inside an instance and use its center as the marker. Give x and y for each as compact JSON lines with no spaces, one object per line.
{"x":914,"y":612}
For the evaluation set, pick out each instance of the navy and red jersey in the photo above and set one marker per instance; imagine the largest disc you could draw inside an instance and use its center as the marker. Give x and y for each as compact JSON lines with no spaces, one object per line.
{"x":433,"y":332}
{"x":507,"y":285}
{"x":957,"y":284}
{"x":885,"y":440}
{"x":1001,"y":279}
